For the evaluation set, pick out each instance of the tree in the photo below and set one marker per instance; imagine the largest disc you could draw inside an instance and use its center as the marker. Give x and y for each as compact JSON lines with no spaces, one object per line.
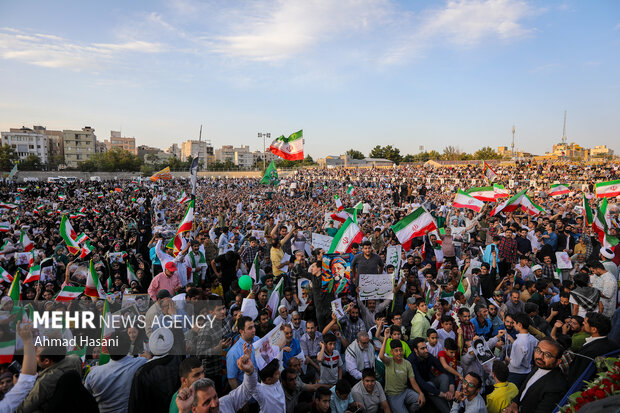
{"x":410,"y":158}
{"x":386,"y":152}
{"x":31,"y":163}
{"x":116,"y":159}
{"x":486,"y":153}
{"x":8,"y":157}
{"x":53,"y":162}
{"x":451,"y":153}
{"x":355,"y":154}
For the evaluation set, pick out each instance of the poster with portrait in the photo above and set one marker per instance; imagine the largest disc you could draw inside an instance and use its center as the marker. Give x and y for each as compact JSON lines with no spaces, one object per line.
{"x":116,"y":257}
{"x":141,"y":301}
{"x":304,"y":291}
{"x":47,"y":274}
{"x":482,"y":352}
{"x":78,"y":273}
{"x":22,"y":258}
{"x":259,"y":235}
{"x":336,"y":273}
{"x":376,"y":287}
{"x":337,"y":308}
{"x":563,"y":260}
{"x":268,"y":347}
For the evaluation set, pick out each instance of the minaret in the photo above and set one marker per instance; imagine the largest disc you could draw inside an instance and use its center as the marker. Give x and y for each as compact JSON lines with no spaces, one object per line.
{"x":512,"y":147}
{"x":564,"y":130}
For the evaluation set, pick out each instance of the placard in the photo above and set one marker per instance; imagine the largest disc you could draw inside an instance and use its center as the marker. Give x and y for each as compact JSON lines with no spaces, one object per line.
{"x":323,"y":242}
{"x":268,"y":347}
{"x":22,"y":258}
{"x":336,"y":273}
{"x":141,"y":301}
{"x":376,"y":287}
{"x":393,"y":256}
{"x":337,"y":308}
{"x":304,"y":291}
{"x":258,"y":234}
{"x":563,"y":260}
{"x":482,"y":352}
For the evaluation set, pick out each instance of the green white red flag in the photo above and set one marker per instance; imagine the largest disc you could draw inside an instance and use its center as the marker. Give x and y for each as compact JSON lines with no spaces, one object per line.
{"x":348,"y":234}
{"x":291,"y":148}
{"x":607,"y":189}
{"x":7,"y":349}
{"x":93,"y":284}
{"x":255,"y":269}
{"x":464,"y":200}
{"x":183,"y":198}
{"x":416,"y":224}
{"x":25,"y":241}
{"x":486,"y":194}
{"x":68,"y":235}
{"x":559,"y":189}
{"x":34,"y":274}
{"x":5,"y":276}
{"x":274,"y":298}
{"x":338,"y":203}
{"x":131,"y":274}
{"x":69,"y":293}
{"x":351,"y":190}
{"x":500,"y":191}
{"x":176,"y":243}
{"x":520,"y":200}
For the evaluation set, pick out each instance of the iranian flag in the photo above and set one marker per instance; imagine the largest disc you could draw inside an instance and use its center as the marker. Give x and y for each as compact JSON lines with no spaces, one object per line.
{"x":7,"y":348}
{"x":69,"y":293}
{"x":559,"y":189}
{"x":82,"y":210}
{"x":347,"y":213}
{"x":7,"y":205}
{"x":131,"y":274}
{"x":5,"y":276}
{"x":255,"y":269}
{"x":587,"y":211}
{"x":500,"y":191}
{"x":291,"y":148}
{"x":338,"y":203}
{"x":21,"y":189}
{"x":486,"y":194}
{"x":62,"y":197}
{"x":34,"y":274}
{"x":100,"y":196}
{"x":96,"y":211}
{"x":176,"y":243}
{"x":348,"y":233}
{"x":488,"y":171}
{"x":601,"y":225}
{"x":25,"y":241}
{"x":464,"y":200}
{"x":607,"y":189}
{"x":86,"y":249}
{"x":274,"y":298}
{"x":183,"y":198}
{"x":68,"y":234}
{"x":5,"y":226}
{"x":520,"y":200}
{"x":416,"y":224}
{"x":77,"y":215}
{"x":82,"y":238}
{"x":93,"y":284}
{"x":351,"y":190}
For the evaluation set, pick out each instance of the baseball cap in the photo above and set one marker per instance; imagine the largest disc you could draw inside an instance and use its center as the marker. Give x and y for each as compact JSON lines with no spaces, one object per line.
{"x":171,"y":266}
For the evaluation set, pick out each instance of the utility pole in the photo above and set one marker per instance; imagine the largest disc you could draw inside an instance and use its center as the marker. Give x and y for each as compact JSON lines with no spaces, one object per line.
{"x":564,"y":130}
{"x":264,"y":136}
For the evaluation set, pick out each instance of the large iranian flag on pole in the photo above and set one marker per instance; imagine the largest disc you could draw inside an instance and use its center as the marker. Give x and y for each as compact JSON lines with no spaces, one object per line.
{"x":607,"y":189}
{"x":416,"y":224}
{"x":559,"y":189}
{"x":291,"y":148}
{"x":69,"y":293}
{"x":93,"y":284}
{"x":68,"y":234}
{"x":176,"y":243}
{"x":348,"y":233}
{"x":464,"y":200}
{"x":486,"y":194}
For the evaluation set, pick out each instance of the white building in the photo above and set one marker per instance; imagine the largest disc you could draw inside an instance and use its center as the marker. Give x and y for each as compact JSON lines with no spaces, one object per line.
{"x":268,"y":156}
{"x":26,"y":142}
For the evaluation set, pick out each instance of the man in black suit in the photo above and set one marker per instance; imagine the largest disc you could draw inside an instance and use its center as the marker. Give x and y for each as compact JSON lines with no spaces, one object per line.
{"x":545,"y":385}
{"x":598,"y":326}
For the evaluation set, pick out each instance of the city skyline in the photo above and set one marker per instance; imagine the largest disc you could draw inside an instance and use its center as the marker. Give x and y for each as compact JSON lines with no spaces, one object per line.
{"x":351,"y":74}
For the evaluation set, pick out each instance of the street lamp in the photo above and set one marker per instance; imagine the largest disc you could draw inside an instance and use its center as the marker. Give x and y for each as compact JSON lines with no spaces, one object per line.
{"x":264,"y":136}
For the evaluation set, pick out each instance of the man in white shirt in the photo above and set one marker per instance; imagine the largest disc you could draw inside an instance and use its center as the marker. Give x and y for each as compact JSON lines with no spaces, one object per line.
{"x":607,"y":284}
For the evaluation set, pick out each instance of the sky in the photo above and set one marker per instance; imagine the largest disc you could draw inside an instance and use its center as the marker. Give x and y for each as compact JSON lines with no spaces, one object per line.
{"x":350,"y":73}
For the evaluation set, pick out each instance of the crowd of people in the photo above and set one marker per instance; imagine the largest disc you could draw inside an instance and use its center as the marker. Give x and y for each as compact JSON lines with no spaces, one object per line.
{"x":482,"y":317}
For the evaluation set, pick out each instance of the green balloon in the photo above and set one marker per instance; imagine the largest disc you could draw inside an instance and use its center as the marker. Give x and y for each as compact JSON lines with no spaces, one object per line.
{"x":245,"y":282}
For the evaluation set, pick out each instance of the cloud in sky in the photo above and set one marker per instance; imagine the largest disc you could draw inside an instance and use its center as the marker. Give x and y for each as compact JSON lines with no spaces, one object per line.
{"x":56,"y":52}
{"x":379,"y":31}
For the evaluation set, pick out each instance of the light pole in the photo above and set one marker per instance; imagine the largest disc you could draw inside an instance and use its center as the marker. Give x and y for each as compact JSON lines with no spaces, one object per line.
{"x":264,"y":136}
